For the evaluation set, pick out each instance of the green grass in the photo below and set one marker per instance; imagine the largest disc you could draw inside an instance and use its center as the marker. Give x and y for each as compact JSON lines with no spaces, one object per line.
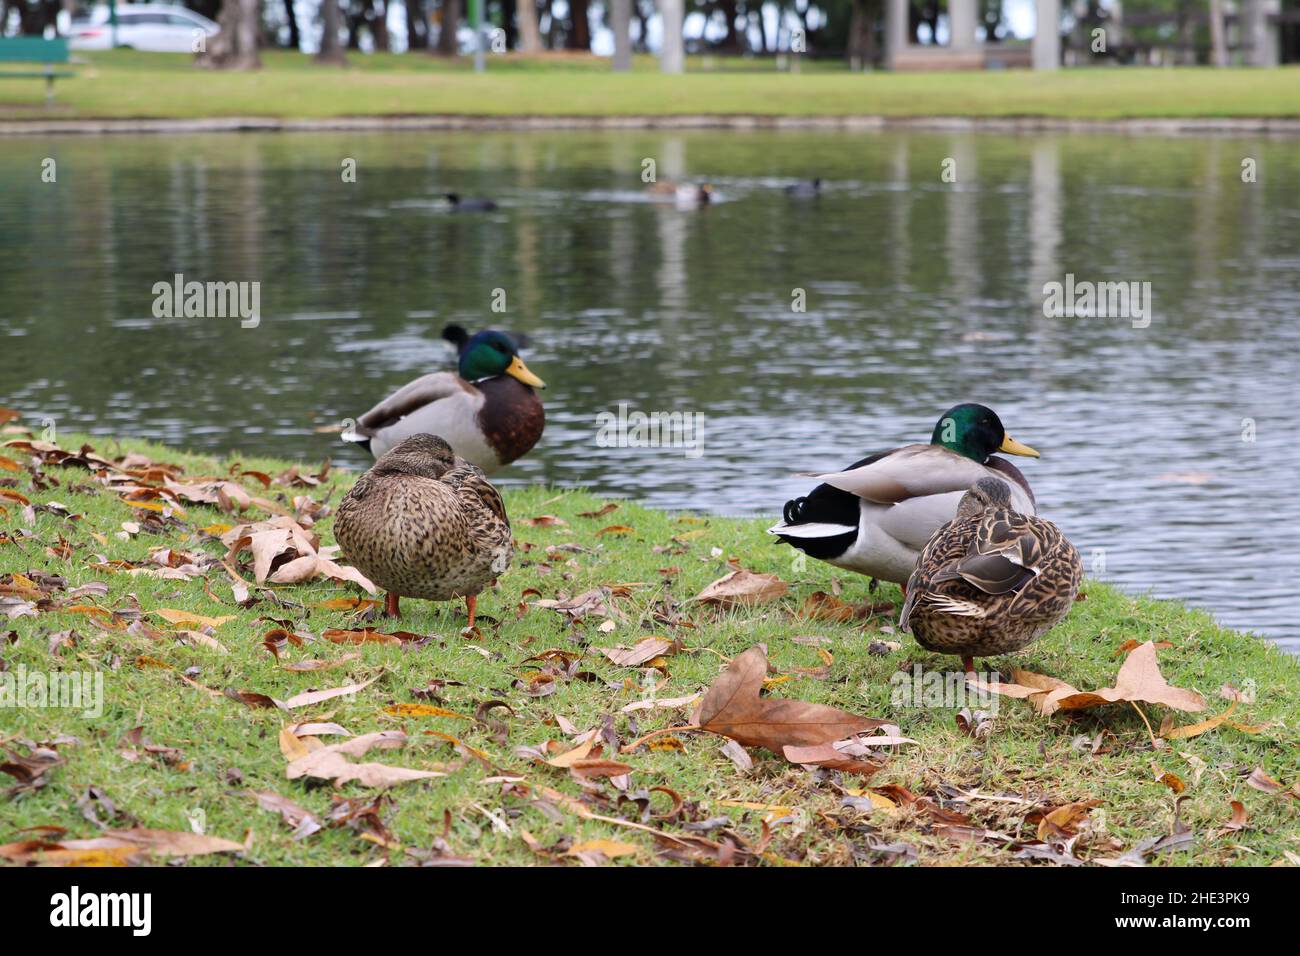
{"x":127,"y":84}
{"x":228,"y":747}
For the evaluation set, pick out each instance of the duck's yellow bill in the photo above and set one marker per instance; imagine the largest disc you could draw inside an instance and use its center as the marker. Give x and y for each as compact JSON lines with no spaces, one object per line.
{"x":1009,"y":445}
{"x":517,"y":369}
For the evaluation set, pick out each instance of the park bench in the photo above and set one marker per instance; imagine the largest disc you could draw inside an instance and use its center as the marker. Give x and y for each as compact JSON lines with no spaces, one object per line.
{"x":34,"y":50}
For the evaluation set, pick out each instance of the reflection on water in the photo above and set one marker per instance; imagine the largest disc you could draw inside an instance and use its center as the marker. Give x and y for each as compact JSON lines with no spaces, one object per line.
{"x":919,"y":293}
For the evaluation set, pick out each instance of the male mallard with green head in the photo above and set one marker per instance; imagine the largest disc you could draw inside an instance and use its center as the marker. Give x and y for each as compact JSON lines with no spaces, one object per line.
{"x":876,"y":516}
{"x":992,"y":580}
{"x":424,"y":523}
{"x":489,"y":413}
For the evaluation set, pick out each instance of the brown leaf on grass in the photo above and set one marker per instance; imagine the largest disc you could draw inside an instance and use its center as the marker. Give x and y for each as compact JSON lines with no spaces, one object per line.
{"x":117,"y":848}
{"x":544,"y":521}
{"x":284,"y":552}
{"x":1139,"y":679}
{"x":738,"y":755}
{"x":820,"y":606}
{"x":733,"y":708}
{"x":596,"y":602}
{"x":1195,"y":730}
{"x":599,"y":768}
{"x":318,"y":665}
{"x":365,"y":635}
{"x":569,"y":757}
{"x":178,"y":617}
{"x":302,"y":821}
{"x":604,"y":510}
{"x":253,"y":699}
{"x":348,"y":604}
{"x":30,"y":770}
{"x":316,"y":696}
{"x":1062,"y":822}
{"x":332,"y":763}
{"x":742,"y":587}
{"x":423,"y":710}
{"x":825,"y":755}
{"x":1263,"y":782}
{"x":659,"y":703}
{"x":1132,"y":645}
{"x":646,"y":649}
{"x":616,"y":529}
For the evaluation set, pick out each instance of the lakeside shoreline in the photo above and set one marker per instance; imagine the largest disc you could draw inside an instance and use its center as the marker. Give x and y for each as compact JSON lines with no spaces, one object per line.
{"x":1282,"y":127}
{"x":128,"y":605}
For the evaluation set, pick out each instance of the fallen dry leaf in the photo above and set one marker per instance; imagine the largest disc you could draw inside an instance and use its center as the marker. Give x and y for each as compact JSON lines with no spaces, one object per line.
{"x":610,"y":849}
{"x":178,"y":617}
{"x":646,"y":649}
{"x":733,"y":708}
{"x":742,"y":587}
{"x":1139,"y":679}
{"x":332,"y":763}
{"x":316,"y":696}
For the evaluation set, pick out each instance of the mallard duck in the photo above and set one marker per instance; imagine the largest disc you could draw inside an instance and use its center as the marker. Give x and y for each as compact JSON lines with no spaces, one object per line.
{"x":805,"y":189}
{"x":459,"y":337}
{"x":684,"y":194}
{"x":992,"y":580}
{"x":425,"y":523}
{"x":489,"y":413}
{"x":461,"y":203}
{"x":876,"y":516}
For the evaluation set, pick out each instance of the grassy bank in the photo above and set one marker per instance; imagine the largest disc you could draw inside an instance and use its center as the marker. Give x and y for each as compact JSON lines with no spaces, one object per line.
{"x":126,"y":84}
{"x":978,"y":798}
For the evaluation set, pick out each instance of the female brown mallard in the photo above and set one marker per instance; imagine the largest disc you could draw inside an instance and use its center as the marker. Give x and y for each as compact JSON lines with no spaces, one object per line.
{"x":424,"y":523}
{"x":488,"y":412}
{"x":990,"y":581}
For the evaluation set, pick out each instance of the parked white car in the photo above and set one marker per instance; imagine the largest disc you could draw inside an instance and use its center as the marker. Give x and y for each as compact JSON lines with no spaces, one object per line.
{"x":153,"y":27}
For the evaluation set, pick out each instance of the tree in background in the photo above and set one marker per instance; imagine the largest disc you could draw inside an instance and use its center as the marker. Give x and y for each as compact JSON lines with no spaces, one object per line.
{"x":449,"y":20}
{"x":33,"y":15}
{"x":331,"y":50}
{"x":235,"y":47}
{"x":530,"y":35}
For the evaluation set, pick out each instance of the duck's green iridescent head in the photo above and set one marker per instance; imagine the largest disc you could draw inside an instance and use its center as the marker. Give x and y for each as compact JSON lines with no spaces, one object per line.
{"x":976,"y":432}
{"x":491,"y":353}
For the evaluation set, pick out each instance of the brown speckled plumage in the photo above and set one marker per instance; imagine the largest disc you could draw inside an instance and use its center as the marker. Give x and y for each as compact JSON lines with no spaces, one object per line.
{"x":992,"y":580}
{"x":424,"y":523}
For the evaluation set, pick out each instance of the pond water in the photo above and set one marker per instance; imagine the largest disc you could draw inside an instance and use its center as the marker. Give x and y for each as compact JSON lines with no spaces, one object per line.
{"x":1169,"y":451}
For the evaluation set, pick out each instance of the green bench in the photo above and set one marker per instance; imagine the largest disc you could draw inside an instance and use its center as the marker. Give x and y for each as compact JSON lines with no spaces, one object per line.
{"x":35,"y":50}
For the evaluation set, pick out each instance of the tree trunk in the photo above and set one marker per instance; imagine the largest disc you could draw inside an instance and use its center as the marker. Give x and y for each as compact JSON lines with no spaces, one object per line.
{"x":731,"y":42}
{"x":530,"y":37}
{"x":447,"y":45}
{"x":235,"y":47}
{"x":331,"y":51}
{"x":672,"y":58}
{"x":376,"y":16}
{"x":620,"y":22}
{"x":1218,"y":46}
{"x":295,"y":38}
{"x":579,"y":37}
{"x":417,"y":26}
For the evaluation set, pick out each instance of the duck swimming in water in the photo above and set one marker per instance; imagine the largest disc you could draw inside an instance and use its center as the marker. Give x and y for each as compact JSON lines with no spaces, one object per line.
{"x":469,"y":204}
